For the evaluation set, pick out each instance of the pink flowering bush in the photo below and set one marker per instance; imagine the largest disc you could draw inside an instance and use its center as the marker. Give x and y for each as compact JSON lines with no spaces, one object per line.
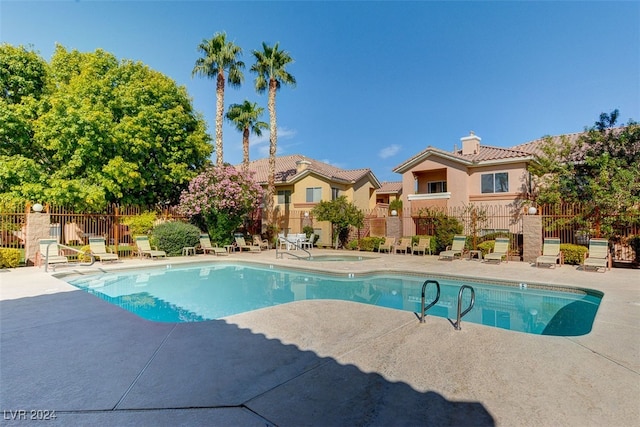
{"x":221,"y":197}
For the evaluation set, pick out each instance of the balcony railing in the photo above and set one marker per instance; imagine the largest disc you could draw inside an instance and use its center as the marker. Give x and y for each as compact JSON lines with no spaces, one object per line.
{"x":429,"y":196}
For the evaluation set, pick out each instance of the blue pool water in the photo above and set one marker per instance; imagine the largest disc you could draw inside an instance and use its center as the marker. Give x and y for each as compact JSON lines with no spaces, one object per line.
{"x":214,"y":291}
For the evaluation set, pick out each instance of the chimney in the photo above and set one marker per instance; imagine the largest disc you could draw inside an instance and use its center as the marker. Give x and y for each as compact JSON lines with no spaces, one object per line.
{"x":302,"y":165}
{"x":470,"y":144}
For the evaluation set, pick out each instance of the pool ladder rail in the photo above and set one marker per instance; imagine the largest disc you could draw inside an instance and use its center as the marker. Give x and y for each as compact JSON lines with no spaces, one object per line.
{"x":460,"y":314}
{"x":60,"y":245}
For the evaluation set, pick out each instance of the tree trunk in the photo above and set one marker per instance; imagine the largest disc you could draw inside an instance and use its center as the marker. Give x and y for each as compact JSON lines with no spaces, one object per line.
{"x":245,"y":150}
{"x":219,"y":117}
{"x":273,"y":141}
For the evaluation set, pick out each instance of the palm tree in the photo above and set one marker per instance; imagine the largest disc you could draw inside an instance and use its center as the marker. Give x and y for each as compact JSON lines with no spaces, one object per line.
{"x":218,"y":56}
{"x":270,"y":68}
{"x":245,"y":117}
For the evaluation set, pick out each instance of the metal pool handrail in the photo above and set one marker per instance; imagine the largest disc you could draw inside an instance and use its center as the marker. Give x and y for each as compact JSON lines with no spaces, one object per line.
{"x":423,"y":309}
{"x":60,"y":245}
{"x":468,"y":309}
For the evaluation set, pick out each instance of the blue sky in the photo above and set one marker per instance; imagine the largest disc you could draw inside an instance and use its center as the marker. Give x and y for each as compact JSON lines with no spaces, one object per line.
{"x":377,"y":81}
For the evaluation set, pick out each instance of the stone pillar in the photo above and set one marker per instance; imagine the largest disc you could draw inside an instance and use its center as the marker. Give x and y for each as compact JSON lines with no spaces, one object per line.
{"x":531,"y":237}
{"x":394,"y":226}
{"x":37,"y":227}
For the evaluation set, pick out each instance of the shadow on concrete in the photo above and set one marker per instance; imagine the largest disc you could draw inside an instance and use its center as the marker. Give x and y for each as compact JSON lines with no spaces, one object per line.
{"x":94,"y":364}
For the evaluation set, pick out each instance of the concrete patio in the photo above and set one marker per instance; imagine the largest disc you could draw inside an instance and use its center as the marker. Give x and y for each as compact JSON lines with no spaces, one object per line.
{"x":314,"y":363}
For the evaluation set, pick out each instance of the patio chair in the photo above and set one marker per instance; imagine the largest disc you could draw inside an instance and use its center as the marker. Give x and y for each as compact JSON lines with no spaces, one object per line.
{"x":423,"y":245}
{"x":242,"y":244}
{"x":500,"y":251}
{"x":263,"y":244}
{"x":283,"y":243}
{"x":308,"y":242}
{"x":207,"y":247}
{"x":144,"y":248}
{"x":456,"y":249}
{"x":49,"y":253}
{"x":99,"y":250}
{"x":404,"y":246}
{"x":389,"y":243}
{"x":598,"y":255}
{"x":551,"y":254}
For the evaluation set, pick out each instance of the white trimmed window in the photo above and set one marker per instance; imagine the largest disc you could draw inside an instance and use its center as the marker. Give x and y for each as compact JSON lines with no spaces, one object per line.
{"x":495,"y":182}
{"x":436,"y":187}
{"x":284,"y":197}
{"x":314,"y":194}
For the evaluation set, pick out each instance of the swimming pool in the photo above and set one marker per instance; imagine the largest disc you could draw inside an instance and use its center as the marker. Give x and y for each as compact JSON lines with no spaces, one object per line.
{"x":213,"y":291}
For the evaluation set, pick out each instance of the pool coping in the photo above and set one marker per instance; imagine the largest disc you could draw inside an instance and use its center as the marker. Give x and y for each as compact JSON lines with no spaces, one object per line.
{"x":596,"y":377}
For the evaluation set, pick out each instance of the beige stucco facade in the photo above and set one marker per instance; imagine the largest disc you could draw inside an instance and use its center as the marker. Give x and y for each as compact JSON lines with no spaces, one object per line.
{"x":300,"y":175}
{"x":440,"y":179}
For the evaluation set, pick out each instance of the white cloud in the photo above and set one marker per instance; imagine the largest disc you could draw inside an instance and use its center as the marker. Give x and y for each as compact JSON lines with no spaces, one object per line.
{"x":262,"y":143}
{"x":389,"y":151}
{"x":283,"y":133}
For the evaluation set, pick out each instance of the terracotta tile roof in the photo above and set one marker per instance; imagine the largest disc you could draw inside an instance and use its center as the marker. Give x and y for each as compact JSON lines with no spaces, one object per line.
{"x":484,"y":154}
{"x":534,"y":147}
{"x":487,"y":153}
{"x":388,"y":187}
{"x":287,"y":170}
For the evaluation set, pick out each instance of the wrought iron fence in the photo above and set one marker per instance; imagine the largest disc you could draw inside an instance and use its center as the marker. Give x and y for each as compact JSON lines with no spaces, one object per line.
{"x":568,"y":222}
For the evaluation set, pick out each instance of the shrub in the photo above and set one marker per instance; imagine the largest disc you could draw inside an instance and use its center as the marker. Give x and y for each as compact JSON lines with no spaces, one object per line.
{"x":85,"y":257}
{"x":446,"y":228}
{"x":221,"y":197}
{"x":369,"y":244}
{"x":9,"y":257}
{"x":171,"y":237}
{"x":634,"y":242}
{"x":352,"y":245}
{"x":140,"y":224}
{"x":573,"y":254}
{"x":486,"y":246}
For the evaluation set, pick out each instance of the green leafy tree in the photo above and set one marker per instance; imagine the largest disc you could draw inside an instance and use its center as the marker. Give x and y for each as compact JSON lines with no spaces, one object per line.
{"x":342,"y":215}
{"x":219,"y":56}
{"x":246,"y":117}
{"x":601,"y":171}
{"x":104,"y":131}
{"x":270,"y":67}
{"x":222,"y":198}
{"x":22,"y":73}
{"x":23,"y":77}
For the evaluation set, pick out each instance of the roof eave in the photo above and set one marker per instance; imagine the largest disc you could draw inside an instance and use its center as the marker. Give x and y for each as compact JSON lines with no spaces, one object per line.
{"x":428,"y":153}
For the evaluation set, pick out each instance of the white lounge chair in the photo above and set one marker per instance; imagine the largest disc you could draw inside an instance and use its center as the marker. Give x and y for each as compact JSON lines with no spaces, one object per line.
{"x":551,"y":254}
{"x":263,"y":244}
{"x":144,"y":248}
{"x":242,"y":244}
{"x":404,"y":246}
{"x":598,"y":255}
{"x":207,"y":247}
{"x":456,"y":249}
{"x":389,"y":243}
{"x":50,"y":254}
{"x":100,"y":251}
{"x":423,"y":245}
{"x":500,"y":250}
